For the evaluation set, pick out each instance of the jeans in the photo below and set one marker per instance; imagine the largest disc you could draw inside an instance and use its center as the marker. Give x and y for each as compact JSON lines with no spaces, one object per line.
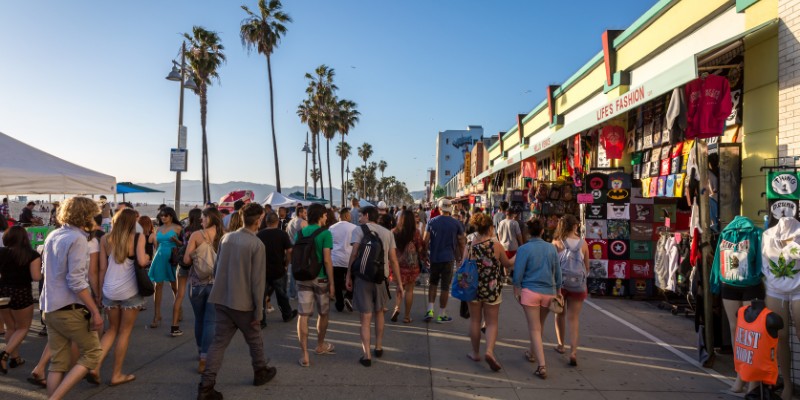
{"x":204,"y":316}
{"x":339,"y":278}
{"x":279,"y":286}
{"x":292,"y":285}
{"x":228,"y":321}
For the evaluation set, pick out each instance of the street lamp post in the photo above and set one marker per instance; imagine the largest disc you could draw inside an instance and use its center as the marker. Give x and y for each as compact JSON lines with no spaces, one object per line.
{"x":186,"y":81}
{"x":347,"y":181}
{"x":306,"y":150}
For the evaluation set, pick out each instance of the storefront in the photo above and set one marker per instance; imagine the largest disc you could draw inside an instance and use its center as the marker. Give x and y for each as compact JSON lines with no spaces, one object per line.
{"x":688,"y":92}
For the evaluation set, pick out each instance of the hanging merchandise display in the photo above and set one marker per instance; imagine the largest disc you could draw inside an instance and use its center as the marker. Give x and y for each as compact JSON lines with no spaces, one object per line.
{"x":708,"y":106}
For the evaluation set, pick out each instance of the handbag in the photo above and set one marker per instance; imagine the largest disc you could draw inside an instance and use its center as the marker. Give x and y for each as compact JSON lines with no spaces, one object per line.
{"x":557,"y":303}
{"x":465,"y":284}
{"x":143,"y":281}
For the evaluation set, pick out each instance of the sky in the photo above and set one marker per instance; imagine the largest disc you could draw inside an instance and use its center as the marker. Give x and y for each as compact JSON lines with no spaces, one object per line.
{"x":84,"y":80}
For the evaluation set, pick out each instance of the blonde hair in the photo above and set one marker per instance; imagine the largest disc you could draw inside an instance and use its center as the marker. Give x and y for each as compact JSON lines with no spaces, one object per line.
{"x":236,"y":222}
{"x":122,"y":227}
{"x":78,"y":212}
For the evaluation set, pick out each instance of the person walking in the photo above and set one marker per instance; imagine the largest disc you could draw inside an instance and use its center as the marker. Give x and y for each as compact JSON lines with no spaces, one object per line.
{"x":369,"y":297}
{"x":66,"y":299}
{"x":500,"y":215}
{"x":238,"y":299}
{"x":445,"y":238}
{"x":342,"y":231}
{"x":182,"y":272}
{"x":4,"y":210}
{"x":411,"y":254}
{"x":295,"y":225}
{"x":201,"y":255}
{"x":168,"y":237}
{"x":355,"y":214}
{"x":278,"y":248}
{"x":20,"y":265}
{"x":121,"y":252}
{"x":226,"y":220}
{"x":537,"y":280}
{"x":491,"y":259}
{"x":573,"y":255}
{"x":318,"y":291}
{"x":509,"y":232}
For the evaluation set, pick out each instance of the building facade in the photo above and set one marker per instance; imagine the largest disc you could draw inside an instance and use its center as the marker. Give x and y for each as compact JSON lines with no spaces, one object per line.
{"x":451,"y":145}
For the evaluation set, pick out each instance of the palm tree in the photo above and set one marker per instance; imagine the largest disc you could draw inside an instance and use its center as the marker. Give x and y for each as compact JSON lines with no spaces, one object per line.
{"x":205,"y":56}
{"x":346,"y":118}
{"x":364,"y":153}
{"x":320,"y":90}
{"x":307,"y":116}
{"x":382,"y":167}
{"x":263,"y":32}
{"x":343,"y":151}
{"x":314,"y":175}
{"x":329,"y":130}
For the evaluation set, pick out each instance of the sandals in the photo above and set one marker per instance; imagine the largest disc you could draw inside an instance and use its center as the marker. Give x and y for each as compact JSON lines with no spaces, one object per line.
{"x":155,"y":323}
{"x":328,"y":348}
{"x":573,"y":361}
{"x":3,"y":359}
{"x":16,"y":362}
{"x":493,"y":364}
{"x":407,"y":320}
{"x":560,"y":349}
{"x":395,"y":314}
{"x":530,"y":357}
{"x":128,"y":379}
{"x":37,"y":380}
{"x":303,"y":363}
{"x":541,"y":372}
{"x":473,"y":358}
{"x":92,"y":378}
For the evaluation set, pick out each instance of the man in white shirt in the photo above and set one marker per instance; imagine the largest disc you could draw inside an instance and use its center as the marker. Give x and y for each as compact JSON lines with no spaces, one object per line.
{"x":342,"y":231}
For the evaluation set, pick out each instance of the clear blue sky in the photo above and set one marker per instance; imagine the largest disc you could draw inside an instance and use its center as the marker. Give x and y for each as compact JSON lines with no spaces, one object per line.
{"x":84,"y":80}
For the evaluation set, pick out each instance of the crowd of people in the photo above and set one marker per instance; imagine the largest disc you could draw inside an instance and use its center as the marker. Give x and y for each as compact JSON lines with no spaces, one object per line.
{"x":232,"y":263}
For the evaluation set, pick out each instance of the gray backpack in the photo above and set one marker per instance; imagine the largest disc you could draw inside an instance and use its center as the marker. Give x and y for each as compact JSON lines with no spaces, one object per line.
{"x":573,"y":269}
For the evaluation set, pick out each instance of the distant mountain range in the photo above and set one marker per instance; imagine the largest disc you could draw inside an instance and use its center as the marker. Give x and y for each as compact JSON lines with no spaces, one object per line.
{"x":192,"y":193}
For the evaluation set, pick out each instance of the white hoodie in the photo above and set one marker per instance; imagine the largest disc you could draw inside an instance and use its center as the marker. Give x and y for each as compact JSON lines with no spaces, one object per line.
{"x":780,"y":252}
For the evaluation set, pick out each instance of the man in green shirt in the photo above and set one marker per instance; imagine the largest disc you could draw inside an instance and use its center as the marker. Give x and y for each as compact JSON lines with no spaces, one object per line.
{"x":319,"y":291}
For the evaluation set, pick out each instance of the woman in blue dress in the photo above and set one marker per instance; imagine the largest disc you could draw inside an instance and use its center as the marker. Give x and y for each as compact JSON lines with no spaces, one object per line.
{"x":167,"y":238}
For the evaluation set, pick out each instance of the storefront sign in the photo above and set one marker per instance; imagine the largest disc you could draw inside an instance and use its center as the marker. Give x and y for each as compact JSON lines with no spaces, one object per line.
{"x":177,"y":160}
{"x":624,"y":103}
{"x":467,"y":168}
{"x":585,"y":198}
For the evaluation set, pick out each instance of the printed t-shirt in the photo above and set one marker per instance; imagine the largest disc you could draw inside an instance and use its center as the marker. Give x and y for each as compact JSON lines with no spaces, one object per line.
{"x":323,"y":241}
{"x":444,"y":232}
{"x":613,"y":139}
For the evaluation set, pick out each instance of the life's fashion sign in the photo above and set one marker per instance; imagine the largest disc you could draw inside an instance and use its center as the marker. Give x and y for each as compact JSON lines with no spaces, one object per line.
{"x":783,"y":185}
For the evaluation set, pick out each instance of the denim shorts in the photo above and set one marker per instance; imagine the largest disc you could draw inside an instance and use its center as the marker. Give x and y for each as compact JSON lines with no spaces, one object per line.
{"x":136,"y":301}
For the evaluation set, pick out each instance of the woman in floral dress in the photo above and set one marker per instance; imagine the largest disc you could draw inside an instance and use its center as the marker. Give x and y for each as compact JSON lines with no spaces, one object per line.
{"x":491,"y":259}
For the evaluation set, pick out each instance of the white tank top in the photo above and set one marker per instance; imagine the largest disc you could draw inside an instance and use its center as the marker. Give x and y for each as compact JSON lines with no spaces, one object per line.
{"x":120,"y":280}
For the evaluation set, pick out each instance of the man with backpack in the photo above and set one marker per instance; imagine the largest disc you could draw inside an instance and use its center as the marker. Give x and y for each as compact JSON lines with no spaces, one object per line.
{"x":238,"y":298}
{"x":295,"y":225}
{"x":278,"y":248}
{"x":370,"y":259}
{"x":445,"y":238}
{"x":313,"y":269}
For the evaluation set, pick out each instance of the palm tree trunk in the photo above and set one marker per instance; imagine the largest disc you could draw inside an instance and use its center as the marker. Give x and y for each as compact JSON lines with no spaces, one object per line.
{"x":203,"y":114}
{"x":321,"y":178}
{"x":314,"y":159}
{"x":272,"y":122}
{"x":341,"y":170}
{"x":330,"y":183}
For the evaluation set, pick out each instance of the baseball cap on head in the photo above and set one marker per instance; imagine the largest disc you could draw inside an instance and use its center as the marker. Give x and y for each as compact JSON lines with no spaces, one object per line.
{"x":382,"y":205}
{"x":445,"y":205}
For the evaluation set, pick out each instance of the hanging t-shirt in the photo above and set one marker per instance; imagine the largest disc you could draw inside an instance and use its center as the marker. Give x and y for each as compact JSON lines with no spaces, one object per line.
{"x":597,"y":229}
{"x":619,"y":229}
{"x":641,"y":212}
{"x":597,"y":181}
{"x":619,"y":269}
{"x":670,"y":191}
{"x":595,"y":211}
{"x":598,"y":249}
{"x":662,"y":186}
{"x":653,"y":187}
{"x":646,"y":187}
{"x":618,"y":249}
{"x":613,"y":139}
{"x":679,"y":179}
{"x":619,"y":180}
{"x":619,"y":211}
{"x":783,"y":185}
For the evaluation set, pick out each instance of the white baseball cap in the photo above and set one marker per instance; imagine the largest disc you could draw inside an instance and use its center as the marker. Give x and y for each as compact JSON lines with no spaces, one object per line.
{"x":382,"y":205}
{"x":445,"y":205}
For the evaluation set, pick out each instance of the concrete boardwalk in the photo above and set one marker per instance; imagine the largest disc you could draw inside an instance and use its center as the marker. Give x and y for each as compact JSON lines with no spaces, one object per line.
{"x":618,"y":360}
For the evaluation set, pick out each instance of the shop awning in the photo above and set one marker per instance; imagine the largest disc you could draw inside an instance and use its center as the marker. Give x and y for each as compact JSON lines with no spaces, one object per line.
{"x":127,"y":188}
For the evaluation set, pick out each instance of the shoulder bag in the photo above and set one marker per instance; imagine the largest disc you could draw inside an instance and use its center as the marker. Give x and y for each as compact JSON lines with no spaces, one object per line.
{"x":143,"y":281}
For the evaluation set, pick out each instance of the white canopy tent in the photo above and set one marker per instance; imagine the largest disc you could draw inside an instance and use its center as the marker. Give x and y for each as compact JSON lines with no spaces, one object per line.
{"x":27,"y":170}
{"x":276,"y":199}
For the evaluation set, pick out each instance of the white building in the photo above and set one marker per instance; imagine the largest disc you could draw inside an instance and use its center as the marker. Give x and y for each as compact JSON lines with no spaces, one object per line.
{"x":450,"y":148}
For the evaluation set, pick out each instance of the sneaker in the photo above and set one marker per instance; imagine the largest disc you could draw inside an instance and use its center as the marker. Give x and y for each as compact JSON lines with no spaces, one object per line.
{"x":291,"y":316}
{"x":348,"y":304}
{"x":207,"y":393}
{"x":428,"y":316}
{"x":264,"y":375}
{"x":175,"y":331}
{"x":270,"y":309}
{"x":443,"y":319}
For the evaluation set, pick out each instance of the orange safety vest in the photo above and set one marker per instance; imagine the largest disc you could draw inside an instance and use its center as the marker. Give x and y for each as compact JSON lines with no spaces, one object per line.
{"x":754,"y":349}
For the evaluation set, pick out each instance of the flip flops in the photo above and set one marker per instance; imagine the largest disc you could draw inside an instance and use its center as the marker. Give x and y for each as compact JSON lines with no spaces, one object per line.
{"x":303,"y":363}
{"x":37,"y":380}
{"x":328,"y":348}
{"x":476,"y":359}
{"x":559,"y":349}
{"x":395,"y":314}
{"x":128,"y":379}
{"x":92,"y":378}
{"x":493,"y":364}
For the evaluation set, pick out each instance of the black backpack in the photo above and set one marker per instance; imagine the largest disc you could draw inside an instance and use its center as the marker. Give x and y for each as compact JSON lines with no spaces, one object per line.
{"x":368,"y":265}
{"x":305,"y":265}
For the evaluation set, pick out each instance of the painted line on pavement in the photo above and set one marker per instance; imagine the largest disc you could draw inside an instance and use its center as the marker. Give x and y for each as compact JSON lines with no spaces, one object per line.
{"x":661,"y":343}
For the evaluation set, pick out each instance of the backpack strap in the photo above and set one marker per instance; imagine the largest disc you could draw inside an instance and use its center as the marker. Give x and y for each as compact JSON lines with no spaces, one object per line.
{"x":315,"y":233}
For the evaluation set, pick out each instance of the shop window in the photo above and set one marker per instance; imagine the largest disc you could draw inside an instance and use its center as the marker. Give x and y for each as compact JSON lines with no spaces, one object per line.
{"x":447,"y":158}
{"x":447,"y":141}
{"x":447,"y":172}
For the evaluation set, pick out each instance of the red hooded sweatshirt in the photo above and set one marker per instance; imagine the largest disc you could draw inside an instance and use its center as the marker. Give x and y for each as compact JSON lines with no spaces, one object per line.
{"x":708,"y":106}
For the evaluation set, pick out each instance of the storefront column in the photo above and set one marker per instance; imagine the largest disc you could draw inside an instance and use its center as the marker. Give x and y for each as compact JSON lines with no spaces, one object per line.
{"x":789,"y":78}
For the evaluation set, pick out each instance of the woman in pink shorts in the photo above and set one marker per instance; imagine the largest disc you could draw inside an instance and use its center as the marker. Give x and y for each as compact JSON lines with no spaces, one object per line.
{"x":573,"y":253}
{"x":537,"y":280}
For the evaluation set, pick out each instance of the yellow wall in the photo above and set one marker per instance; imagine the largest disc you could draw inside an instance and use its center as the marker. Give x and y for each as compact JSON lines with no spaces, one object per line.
{"x":760,"y":115}
{"x":761,"y":12}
